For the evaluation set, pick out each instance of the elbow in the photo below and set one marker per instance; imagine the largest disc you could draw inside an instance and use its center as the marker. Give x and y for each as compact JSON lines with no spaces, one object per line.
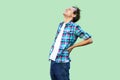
{"x":90,"y":41}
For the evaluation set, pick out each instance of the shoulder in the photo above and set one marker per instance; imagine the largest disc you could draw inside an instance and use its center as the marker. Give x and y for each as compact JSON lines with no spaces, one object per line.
{"x":60,"y":23}
{"x":75,"y":25}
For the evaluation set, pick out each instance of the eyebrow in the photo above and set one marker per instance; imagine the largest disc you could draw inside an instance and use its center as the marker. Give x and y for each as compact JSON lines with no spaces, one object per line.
{"x":74,"y":9}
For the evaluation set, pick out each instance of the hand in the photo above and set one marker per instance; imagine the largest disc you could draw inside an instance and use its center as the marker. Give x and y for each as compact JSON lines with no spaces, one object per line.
{"x":70,"y":49}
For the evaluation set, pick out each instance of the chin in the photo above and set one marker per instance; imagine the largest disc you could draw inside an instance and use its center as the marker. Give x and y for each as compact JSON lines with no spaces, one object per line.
{"x":64,"y":14}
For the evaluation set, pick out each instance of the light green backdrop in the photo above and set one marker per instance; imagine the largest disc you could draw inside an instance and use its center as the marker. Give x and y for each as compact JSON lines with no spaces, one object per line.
{"x":27,"y":30}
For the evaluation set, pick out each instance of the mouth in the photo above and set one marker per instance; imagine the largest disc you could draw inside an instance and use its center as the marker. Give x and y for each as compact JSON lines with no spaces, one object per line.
{"x":65,"y":11}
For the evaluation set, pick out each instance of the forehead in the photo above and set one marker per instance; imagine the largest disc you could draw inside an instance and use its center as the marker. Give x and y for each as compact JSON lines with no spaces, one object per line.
{"x":71,"y":8}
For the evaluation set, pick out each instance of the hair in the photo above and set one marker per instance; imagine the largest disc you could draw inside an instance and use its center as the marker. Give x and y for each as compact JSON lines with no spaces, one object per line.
{"x":77,"y":13}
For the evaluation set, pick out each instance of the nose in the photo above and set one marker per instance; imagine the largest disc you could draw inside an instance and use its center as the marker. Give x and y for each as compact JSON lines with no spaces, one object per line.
{"x":66,"y":9}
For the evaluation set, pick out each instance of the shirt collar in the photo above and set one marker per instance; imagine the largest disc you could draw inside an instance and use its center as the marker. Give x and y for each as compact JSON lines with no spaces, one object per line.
{"x":68,"y":23}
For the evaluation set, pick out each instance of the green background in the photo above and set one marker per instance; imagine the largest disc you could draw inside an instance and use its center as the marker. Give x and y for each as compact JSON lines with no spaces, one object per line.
{"x":27,"y":30}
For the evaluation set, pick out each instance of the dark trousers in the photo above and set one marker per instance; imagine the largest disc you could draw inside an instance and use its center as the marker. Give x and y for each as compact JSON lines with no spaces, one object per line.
{"x":59,"y":71}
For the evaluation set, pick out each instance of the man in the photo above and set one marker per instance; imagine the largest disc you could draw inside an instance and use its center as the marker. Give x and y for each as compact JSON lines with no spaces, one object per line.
{"x":67,"y":34}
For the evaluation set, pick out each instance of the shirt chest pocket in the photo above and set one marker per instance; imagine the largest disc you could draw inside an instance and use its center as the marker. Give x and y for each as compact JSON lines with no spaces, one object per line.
{"x":68,"y":34}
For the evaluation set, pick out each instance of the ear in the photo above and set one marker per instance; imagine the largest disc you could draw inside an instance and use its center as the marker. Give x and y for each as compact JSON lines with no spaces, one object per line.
{"x":74,"y":15}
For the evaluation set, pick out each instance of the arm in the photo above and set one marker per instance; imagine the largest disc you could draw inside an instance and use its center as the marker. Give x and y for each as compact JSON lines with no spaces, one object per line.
{"x":81,"y":43}
{"x":83,"y":35}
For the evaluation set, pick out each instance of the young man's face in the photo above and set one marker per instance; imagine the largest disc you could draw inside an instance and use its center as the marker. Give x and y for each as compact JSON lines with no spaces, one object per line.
{"x":69,"y":12}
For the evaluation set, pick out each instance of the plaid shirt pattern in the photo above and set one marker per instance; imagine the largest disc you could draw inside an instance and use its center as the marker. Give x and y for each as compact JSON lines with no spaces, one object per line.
{"x":70,"y":34}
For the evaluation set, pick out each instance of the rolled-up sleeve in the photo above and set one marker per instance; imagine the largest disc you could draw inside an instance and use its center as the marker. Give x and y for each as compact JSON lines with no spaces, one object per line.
{"x":81,"y":33}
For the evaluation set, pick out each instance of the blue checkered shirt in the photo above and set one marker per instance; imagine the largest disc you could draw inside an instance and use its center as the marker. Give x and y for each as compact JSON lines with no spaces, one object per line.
{"x":70,"y":34}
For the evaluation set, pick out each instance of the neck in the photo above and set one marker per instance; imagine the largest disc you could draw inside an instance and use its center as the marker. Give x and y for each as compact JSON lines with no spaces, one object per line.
{"x":67,"y":19}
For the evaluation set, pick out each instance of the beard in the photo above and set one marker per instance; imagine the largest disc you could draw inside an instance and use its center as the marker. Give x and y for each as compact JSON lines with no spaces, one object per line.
{"x":65,"y":15}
